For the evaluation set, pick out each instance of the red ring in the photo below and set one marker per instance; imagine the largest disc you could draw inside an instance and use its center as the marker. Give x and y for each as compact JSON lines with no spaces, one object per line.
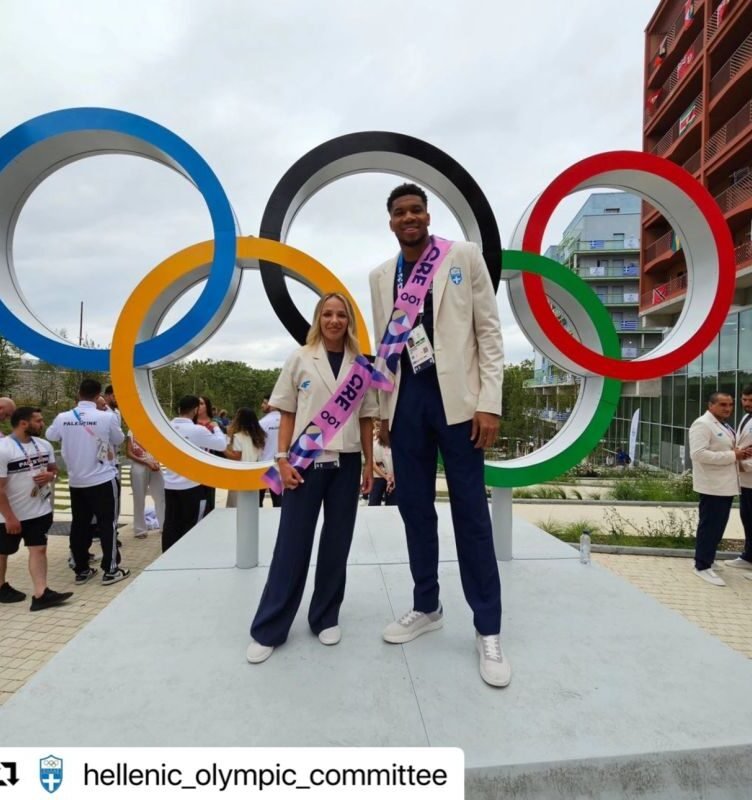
{"x":570,"y":180}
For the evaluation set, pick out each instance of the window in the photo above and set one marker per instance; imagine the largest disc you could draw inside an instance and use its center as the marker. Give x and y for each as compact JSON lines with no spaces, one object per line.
{"x":611,"y":210}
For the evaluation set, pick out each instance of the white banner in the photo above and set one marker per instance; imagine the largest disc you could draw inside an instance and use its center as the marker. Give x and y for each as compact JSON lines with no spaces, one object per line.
{"x":633,"y":430}
{"x":75,"y":773}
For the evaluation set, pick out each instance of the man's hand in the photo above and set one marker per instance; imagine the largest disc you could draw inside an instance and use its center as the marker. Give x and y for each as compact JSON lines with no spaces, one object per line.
{"x":384,"y":433}
{"x":367,"y":482}
{"x":485,"y":429}
{"x":12,"y":525}
{"x":743,"y":453}
{"x":291,"y":478}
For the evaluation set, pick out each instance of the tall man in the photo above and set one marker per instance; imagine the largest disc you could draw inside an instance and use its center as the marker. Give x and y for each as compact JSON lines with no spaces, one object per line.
{"x":447,"y":398}
{"x":185,"y":500}
{"x":744,"y":440}
{"x":27,"y":470}
{"x":89,"y":439}
{"x":715,"y":477}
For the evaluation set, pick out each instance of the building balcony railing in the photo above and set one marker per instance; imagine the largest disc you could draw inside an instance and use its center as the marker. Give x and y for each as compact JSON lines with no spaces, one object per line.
{"x":740,"y":59}
{"x":619,"y":298}
{"x":676,"y":77}
{"x":631,"y":270}
{"x":666,"y":291}
{"x":634,"y":352}
{"x":725,"y":135}
{"x":546,"y":378}
{"x":681,"y":126}
{"x":552,"y":415}
{"x":588,"y":245}
{"x":743,"y":255}
{"x":626,"y":325}
{"x":678,"y":286}
{"x":673,"y":34}
{"x":692,"y":164}
{"x":735,"y":195}
{"x":659,"y":247}
{"x":719,"y":13}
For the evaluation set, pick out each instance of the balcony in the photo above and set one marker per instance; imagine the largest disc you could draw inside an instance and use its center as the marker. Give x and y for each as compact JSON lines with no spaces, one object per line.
{"x":634,"y":352}
{"x":596,"y":272}
{"x":666,"y":291}
{"x":735,"y":196}
{"x":660,"y":249}
{"x":545,"y":378}
{"x":586,"y":246}
{"x":619,"y":298}
{"x":674,"y":34}
{"x":741,"y":58}
{"x":626,"y":325}
{"x":729,"y":132}
{"x":678,"y":129}
{"x":717,"y":16}
{"x":743,"y":255}
{"x":682,"y":69}
{"x":552,"y":415}
{"x":692,"y":164}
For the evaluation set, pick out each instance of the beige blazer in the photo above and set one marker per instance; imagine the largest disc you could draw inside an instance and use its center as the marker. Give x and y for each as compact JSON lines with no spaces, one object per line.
{"x":305,"y":385}
{"x":744,"y":439}
{"x":714,"y":466}
{"x":467,"y":334}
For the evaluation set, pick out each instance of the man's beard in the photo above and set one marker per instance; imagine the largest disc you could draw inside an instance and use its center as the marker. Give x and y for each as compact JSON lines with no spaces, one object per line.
{"x":420,"y":239}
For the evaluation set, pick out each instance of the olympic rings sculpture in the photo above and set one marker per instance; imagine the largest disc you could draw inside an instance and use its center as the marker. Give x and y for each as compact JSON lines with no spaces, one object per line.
{"x":36,"y":148}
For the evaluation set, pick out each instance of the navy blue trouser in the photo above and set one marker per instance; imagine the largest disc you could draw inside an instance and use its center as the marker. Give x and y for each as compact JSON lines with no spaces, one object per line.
{"x":714,"y":515}
{"x":418,"y":432}
{"x":338,"y":490}
{"x":745,"y":512}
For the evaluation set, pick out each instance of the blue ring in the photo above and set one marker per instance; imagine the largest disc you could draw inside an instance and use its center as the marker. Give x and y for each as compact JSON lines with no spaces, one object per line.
{"x":72,"y":120}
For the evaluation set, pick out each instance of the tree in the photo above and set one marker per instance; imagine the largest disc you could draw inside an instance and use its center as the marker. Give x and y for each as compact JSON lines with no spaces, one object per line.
{"x":10,"y":358}
{"x":516,"y":420}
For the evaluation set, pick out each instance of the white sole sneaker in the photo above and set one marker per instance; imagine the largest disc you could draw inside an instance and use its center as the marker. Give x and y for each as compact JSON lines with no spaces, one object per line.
{"x":257,"y":653}
{"x":494,"y":671}
{"x":739,"y":563}
{"x":395,"y":633}
{"x":709,"y":576}
{"x":331,"y":636}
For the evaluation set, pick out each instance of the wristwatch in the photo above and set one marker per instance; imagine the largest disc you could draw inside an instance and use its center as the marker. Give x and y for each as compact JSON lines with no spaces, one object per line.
{"x":284,"y":454}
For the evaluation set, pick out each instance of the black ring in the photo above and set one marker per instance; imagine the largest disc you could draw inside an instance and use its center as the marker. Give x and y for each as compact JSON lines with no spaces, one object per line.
{"x":318,"y":167}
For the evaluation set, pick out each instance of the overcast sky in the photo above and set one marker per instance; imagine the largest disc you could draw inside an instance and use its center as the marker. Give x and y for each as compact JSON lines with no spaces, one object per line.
{"x":516,"y":92}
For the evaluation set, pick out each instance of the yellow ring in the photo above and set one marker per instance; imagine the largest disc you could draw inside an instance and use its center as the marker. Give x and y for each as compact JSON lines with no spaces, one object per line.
{"x":156,"y":436}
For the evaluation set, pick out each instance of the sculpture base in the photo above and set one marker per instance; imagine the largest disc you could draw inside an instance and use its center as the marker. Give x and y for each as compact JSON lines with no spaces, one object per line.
{"x":612,"y":695}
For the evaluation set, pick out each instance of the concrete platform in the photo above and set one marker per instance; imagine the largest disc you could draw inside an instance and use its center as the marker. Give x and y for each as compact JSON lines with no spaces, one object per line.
{"x":613,"y":695}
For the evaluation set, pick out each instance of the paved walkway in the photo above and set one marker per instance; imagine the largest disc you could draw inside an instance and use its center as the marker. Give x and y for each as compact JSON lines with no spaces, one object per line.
{"x":30,"y":640}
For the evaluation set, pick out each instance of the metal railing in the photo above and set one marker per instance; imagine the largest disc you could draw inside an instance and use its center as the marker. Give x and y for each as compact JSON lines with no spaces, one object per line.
{"x":588,"y":245}
{"x":692,"y":164}
{"x":743,"y":255}
{"x":678,"y":74}
{"x":659,"y":247}
{"x":611,"y":298}
{"x":595,"y":272}
{"x":666,"y":291}
{"x":741,"y":57}
{"x":713,"y":23}
{"x":728,"y":132}
{"x":672,"y":134}
{"x":735,"y":195}
{"x":675,"y":30}
{"x":543,"y":378}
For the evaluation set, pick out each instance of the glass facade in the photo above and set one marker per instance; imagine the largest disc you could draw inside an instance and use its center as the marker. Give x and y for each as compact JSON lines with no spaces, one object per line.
{"x":662,"y":437}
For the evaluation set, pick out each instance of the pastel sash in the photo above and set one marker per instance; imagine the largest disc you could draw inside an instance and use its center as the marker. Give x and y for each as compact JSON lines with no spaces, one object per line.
{"x":407,"y":306}
{"x":362,"y":375}
{"x":327,"y":423}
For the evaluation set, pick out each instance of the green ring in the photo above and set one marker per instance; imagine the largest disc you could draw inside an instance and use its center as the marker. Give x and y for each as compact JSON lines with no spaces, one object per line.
{"x":510,"y":476}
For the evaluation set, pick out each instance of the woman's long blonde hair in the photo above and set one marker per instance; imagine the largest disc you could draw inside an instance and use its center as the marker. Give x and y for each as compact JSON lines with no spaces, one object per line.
{"x":351,"y":338}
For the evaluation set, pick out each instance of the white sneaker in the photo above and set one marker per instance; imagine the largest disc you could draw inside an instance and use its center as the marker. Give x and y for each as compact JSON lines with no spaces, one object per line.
{"x":494,"y":668}
{"x":739,"y":563}
{"x":411,"y":625}
{"x":257,"y":653}
{"x":709,"y":576}
{"x":330,"y":636}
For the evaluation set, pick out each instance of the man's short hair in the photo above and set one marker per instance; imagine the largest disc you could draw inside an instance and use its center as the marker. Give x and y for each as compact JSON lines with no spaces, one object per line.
{"x":89,"y":389}
{"x":108,"y":389}
{"x":187,"y":403}
{"x":403,"y":190}
{"x":23,"y":414}
{"x":747,"y":389}
{"x":717,"y":395}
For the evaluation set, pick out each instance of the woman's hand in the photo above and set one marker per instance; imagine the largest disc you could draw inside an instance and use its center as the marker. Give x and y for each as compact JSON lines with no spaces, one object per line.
{"x":291,"y":478}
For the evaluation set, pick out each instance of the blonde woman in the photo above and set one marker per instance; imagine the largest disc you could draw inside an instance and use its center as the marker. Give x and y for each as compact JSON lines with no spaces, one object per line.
{"x":308,"y":380}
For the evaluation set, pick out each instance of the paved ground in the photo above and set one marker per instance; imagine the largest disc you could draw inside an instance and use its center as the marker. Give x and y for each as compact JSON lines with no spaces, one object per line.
{"x":29,"y":640}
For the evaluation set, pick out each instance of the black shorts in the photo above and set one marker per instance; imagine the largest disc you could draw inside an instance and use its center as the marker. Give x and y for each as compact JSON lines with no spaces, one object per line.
{"x":33,"y":533}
